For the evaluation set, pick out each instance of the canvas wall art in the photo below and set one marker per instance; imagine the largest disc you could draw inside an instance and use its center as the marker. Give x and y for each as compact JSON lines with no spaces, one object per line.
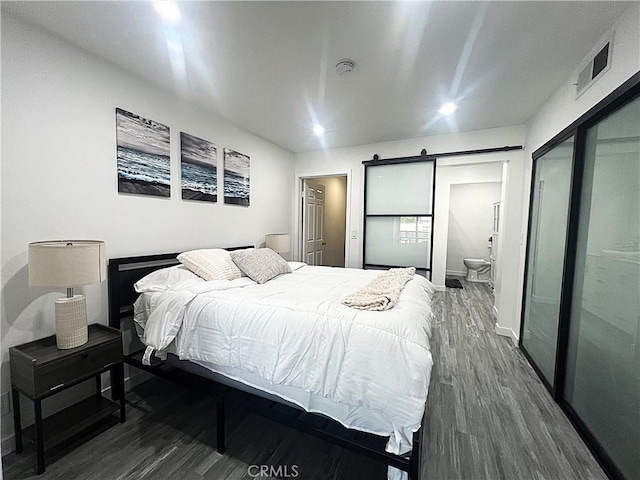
{"x":144,"y":166}
{"x":199,"y":168}
{"x":236,"y":178}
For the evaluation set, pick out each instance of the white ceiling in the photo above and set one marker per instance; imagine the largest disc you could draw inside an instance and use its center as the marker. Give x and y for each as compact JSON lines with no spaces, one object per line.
{"x":269,"y":67}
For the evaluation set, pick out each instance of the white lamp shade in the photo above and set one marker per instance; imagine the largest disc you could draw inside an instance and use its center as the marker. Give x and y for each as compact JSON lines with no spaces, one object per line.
{"x":278,"y":242}
{"x":67,"y":263}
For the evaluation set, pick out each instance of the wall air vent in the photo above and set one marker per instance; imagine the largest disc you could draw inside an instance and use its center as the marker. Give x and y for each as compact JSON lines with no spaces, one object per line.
{"x":598,"y":63}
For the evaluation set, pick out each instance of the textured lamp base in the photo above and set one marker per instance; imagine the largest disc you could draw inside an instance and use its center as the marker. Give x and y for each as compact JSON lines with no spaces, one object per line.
{"x":71,"y":322}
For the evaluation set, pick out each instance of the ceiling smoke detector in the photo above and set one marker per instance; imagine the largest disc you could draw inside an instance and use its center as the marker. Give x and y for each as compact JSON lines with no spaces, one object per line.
{"x":345,"y":67}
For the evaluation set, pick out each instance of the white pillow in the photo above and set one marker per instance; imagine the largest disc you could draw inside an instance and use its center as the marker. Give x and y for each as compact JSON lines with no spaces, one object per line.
{"x":162,"y":279}
{"x":210,"y":264}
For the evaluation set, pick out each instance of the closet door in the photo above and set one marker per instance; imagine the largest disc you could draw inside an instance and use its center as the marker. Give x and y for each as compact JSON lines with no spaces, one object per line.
{"x":602,"y":383}
{"x":398,"y":223}
{"x":545,"y":259}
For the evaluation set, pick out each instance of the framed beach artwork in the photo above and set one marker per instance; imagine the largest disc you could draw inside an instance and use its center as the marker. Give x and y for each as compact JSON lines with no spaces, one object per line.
{"x":236,"y":178}
{"x":144,"y":166}
{"x":199,"y":168}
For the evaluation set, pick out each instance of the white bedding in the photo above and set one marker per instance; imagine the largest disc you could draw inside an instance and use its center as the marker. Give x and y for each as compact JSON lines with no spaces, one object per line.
{"x":292,"y":337}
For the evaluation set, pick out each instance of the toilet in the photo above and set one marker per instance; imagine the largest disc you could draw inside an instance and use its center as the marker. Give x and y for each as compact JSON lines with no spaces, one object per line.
{"x":477,"y":269}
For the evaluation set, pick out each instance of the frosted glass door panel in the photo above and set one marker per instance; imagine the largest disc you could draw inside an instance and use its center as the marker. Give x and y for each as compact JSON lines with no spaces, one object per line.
{"x":399,"y":241}
{"x":603,"y":357}
{"x":413,"y":180}
{"x":547,"y":245}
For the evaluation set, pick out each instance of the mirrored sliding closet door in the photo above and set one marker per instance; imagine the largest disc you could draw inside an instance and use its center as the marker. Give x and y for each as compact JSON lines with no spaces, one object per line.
{"x":602,"y":381}
{"x":581,"y":300}
{"x":548,"y":240}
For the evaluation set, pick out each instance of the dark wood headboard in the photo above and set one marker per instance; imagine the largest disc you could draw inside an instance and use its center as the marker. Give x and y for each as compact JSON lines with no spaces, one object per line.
{"x":124,"y":272}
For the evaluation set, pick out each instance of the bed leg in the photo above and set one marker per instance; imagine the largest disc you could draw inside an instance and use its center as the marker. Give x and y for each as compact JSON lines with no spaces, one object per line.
{"x":220,"y":421}
{"x":415,"y":461}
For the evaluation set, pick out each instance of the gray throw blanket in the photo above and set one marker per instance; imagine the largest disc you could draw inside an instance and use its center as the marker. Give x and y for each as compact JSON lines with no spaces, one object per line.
{"x":382,"y":292}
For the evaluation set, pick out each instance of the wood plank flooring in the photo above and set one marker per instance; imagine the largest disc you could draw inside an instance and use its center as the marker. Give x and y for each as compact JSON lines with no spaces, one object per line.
{"x":488,"y":417}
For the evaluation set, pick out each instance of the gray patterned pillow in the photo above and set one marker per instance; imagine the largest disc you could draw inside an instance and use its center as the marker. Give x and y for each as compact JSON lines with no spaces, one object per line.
{"x":260,"y":264}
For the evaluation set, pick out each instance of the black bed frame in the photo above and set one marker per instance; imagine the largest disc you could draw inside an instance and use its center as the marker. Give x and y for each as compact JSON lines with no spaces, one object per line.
{"x":124,"y":272}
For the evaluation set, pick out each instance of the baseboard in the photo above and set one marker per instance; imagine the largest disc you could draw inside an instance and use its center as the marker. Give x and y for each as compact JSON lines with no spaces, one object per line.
{"x":440,"y":288}
{"x":507,"y":332}
{"x":456,"y":273}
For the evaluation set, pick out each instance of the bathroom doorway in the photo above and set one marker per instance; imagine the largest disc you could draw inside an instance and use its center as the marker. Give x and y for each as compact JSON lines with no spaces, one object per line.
{"x":473,"y":229}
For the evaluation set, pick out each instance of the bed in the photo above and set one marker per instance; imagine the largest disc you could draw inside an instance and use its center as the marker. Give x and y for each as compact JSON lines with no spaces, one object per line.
{"x":290,"y":350}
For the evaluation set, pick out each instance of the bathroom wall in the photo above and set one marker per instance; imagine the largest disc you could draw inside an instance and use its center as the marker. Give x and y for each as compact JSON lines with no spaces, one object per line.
{"x":470,"y":223}
{"x":449,"y":177}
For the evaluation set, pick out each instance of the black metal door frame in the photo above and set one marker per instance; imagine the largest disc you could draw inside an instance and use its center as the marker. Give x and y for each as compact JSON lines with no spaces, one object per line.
{"x":624,"y":94}
{"x":423,"y":157}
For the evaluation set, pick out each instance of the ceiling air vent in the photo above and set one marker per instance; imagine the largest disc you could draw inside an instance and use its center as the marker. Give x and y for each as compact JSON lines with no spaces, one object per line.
{"x":597,"y":65}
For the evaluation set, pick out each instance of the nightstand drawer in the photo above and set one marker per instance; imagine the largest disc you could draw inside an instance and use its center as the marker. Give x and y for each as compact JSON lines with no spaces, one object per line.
{"x":39,"y":368}
{"x":54,"y":375}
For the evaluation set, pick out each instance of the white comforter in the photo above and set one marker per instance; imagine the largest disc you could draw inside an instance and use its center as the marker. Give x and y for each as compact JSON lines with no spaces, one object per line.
{"x":294,"y":335}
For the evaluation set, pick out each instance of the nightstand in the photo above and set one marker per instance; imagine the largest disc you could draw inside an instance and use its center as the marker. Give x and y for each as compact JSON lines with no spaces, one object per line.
{"x":39,"y":370}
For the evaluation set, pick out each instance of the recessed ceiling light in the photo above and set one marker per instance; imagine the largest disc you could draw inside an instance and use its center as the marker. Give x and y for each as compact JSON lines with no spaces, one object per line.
{"x":318,"y":130}
{"x":448,"y":108}
{"x":168,"y":10}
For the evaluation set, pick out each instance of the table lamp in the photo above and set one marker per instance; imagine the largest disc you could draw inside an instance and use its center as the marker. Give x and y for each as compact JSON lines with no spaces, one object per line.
{"x":278,"y":242}
{"x":68,"y":263}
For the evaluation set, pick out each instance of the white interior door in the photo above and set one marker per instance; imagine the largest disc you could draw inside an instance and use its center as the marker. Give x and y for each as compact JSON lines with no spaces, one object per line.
{"x":313,"y":223}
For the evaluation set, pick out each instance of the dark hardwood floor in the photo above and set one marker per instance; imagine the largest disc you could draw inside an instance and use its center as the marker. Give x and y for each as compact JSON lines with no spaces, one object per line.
{"x":488,"y":417}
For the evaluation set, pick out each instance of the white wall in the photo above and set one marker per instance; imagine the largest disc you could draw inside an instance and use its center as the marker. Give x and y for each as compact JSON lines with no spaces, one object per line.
{"x":350,"y":159}
{"x":562,"y":108}
{"x":59,"y":175}
{"x":471,"y":221}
